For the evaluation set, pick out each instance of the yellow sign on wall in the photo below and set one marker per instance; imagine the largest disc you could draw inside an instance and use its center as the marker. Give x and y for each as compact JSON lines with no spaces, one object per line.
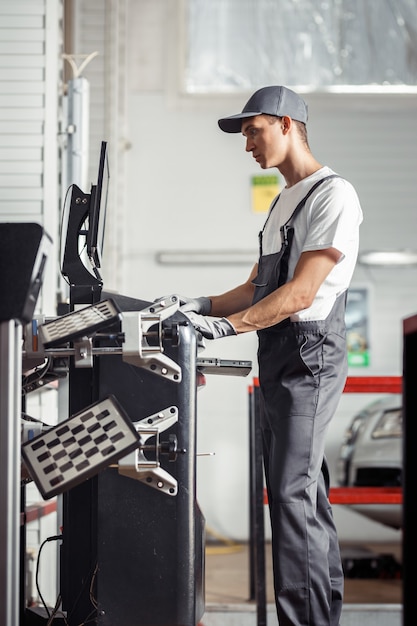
{"x":264,"y":190}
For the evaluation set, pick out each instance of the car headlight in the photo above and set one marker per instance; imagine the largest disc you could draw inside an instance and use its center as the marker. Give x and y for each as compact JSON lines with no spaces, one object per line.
{"x":389,"y":425}
{"x":352,"y":432}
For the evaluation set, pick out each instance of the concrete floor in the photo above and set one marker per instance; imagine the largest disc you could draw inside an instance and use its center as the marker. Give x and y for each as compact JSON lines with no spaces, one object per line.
{"x":369,"y":601}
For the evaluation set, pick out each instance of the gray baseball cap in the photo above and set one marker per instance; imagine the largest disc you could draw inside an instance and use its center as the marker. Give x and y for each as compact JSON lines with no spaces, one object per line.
{"x":274,"y":100}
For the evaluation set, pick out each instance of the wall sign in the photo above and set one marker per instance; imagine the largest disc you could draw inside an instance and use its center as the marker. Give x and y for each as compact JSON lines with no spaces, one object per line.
{"x":357,"y":331}
{"x":264,"y":190}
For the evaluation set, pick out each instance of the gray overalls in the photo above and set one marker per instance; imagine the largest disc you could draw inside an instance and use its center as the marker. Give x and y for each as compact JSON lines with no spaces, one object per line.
{"x":302,"y":373}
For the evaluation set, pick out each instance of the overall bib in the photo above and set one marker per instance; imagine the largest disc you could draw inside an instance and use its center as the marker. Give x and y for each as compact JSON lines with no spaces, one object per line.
{"x":302,"y":373}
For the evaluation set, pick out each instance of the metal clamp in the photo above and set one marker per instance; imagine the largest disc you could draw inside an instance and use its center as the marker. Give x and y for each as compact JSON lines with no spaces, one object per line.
{"x":138,"y":466}
{"x":143,"y":337}
{"x":83,"y":352}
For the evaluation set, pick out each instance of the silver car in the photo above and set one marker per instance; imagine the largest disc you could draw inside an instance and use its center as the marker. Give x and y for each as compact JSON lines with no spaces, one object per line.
{"x":371,"y":456}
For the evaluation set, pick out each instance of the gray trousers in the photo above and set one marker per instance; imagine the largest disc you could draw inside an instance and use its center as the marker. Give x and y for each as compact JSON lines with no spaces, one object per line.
{"x":302,"y":372}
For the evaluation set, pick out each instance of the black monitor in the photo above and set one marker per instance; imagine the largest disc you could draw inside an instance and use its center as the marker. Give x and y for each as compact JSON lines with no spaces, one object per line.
{"x":97,"y":212}
{"x":83,"y":226}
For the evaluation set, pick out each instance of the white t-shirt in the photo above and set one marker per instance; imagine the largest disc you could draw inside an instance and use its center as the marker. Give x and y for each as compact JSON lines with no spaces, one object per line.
{"x":330,"y":218}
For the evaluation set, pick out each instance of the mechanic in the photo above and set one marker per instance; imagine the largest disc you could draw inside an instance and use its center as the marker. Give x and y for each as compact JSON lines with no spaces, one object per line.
{"x":295,"y":300}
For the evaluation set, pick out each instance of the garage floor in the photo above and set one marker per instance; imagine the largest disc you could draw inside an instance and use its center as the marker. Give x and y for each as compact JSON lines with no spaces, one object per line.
{"x":227,"y":573}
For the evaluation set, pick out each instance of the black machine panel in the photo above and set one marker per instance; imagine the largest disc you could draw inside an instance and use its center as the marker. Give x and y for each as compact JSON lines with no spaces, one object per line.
{"x":133,"y":555}
{"x":23,"y":254}
{"x":133,"y":535}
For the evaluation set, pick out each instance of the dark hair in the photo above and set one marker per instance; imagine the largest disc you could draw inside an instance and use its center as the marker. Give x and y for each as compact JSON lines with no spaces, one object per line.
{"x":301,"y":127}
{"x":302,"y":131}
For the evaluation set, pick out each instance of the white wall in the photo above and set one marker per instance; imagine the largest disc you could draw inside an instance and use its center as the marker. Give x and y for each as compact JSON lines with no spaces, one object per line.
{"x":188,"y":188}
{"x":184,"y":185}
{"x":30,"y":69}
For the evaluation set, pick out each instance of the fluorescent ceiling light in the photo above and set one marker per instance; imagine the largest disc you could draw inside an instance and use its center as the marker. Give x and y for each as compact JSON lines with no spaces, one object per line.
{"x":388,"y":258}
{"x":207,"y":257}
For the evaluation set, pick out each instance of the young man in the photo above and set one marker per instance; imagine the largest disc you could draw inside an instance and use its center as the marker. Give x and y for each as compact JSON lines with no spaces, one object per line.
{"x":295,"y":300}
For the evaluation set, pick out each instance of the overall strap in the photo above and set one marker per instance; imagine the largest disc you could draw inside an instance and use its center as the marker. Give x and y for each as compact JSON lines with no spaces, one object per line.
{"x":306,"y":197}
{"x":285,"y":227}
{"x":300,"y":204}
{"x":287,"y":231}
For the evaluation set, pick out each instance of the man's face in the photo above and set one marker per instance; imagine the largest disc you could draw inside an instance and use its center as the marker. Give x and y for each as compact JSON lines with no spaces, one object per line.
{"x":265,"y":139}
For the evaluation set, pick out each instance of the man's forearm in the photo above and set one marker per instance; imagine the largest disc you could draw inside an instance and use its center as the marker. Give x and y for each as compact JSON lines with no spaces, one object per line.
{"x":274,"y":308}
{"x":233,"y":301}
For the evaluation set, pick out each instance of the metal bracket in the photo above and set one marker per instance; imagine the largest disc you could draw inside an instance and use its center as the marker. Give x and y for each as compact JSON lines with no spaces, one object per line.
{"x":136,"y":465}
{"x":143,"y":334}
{"x":83,"y":352}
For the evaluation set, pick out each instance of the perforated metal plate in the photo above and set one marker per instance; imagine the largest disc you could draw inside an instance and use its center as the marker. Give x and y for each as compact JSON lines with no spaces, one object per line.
{"x":83,"y":322}
{"x":79,"y":447}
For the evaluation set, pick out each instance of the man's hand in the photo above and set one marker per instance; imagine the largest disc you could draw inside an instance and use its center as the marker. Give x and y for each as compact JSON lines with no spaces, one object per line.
{"x":211,"y":328}
{"x":200,"y":305}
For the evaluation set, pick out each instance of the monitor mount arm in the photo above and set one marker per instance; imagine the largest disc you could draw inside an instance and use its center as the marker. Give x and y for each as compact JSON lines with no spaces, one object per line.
{"x":81,"y":280}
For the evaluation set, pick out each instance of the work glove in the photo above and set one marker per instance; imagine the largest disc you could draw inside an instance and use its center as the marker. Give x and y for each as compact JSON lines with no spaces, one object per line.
{"x":195,"y":305}
{"x":210,"y":327}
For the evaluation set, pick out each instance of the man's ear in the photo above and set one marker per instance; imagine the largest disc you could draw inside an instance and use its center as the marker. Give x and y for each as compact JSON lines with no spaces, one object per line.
{"x":286,"y":123}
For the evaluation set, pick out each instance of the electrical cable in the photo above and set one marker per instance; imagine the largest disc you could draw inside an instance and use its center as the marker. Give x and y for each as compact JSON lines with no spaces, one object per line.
{"x":36,"y":374}
{"x":93,"y":580}
{"x":91,"y":617}
{"x":29,"y":418}
{"x":55,"y":612}
{"x":53,"y":538}
{"x":45,"y":373}
{"x":87,"y":619}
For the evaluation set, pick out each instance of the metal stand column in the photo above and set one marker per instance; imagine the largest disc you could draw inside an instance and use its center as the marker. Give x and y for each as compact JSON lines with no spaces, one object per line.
{"x":409,"y":506}
{"x":256,"y":498}
{"x":10,"y":411}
